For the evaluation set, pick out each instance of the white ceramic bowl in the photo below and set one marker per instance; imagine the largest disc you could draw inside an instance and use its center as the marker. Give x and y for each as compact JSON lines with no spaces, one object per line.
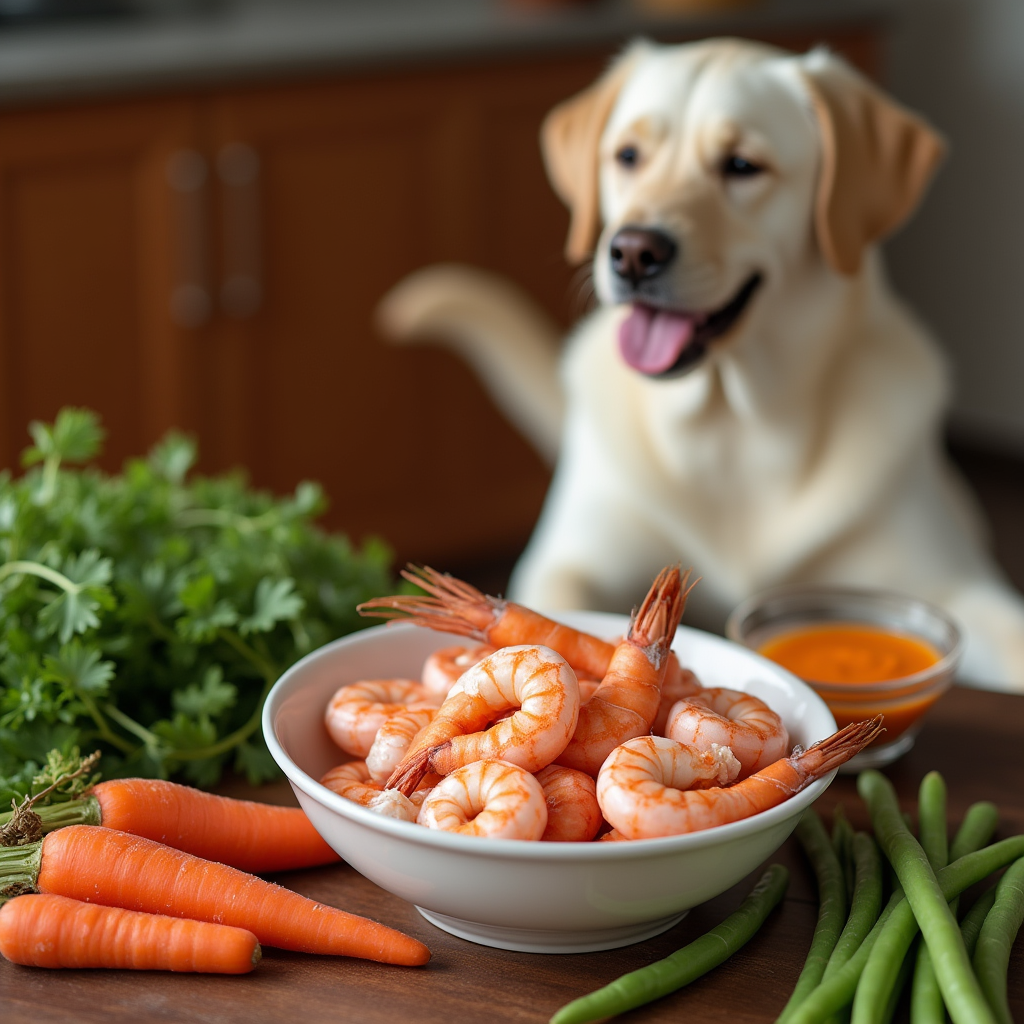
{"x":535,"y":897}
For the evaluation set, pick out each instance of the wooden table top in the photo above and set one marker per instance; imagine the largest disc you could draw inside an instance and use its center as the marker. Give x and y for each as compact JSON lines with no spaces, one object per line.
{"x":972,"y":737}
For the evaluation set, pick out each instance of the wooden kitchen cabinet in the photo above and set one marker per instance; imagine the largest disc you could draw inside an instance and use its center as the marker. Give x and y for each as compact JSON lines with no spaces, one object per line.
{"x":212,"y":261}
{"x":349,"y":186}
{"x":363,"y":182}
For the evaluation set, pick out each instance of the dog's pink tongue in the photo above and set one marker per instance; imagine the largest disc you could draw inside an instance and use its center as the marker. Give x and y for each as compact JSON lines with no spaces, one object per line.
{"x":651,"y":340}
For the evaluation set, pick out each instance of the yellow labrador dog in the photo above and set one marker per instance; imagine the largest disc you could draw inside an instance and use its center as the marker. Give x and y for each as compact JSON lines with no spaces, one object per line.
{"x":749,"y":397}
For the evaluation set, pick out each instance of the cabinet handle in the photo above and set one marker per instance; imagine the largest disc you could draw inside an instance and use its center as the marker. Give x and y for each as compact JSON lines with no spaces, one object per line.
{"x":190,"y":294}
{"x":241,"y":291}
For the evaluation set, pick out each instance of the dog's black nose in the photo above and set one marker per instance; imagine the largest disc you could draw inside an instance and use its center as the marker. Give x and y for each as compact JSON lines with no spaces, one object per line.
{"x":640,"y":253}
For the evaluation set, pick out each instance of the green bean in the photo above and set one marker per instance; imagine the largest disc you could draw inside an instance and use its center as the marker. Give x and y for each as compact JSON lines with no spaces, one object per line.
{"x":960,"y":988}
{"x":686,"y":964}
{"x":864,"y":909}
{"x":902,"y":976}
{"x":831,"y":905}
{"x":976,"y":830}
{"x":931,"y":820}
{"x":866,"y":903}
{"x":842,"y":843}
{"x":836,"y":992}
{"x":1002,"y":923}
{"x":970,"y":926}
{"x":926,"y":1005}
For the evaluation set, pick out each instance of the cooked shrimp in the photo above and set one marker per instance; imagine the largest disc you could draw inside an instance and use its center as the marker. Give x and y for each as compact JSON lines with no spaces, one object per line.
{"x":648,"y":772}
{"x":356,"y":712}
{"x":393,"y":740}
{"x":352,"y":781}
{"x":573,"y":811}
{"x":679,"y":683}
{"x":442,"y":669}
{"x":457,"y":607}
{"x":533,"y":680}
{"x":588,"y":687}
{"x":487,"y":798}
{"x":641,"y":802}
{"x":627,"y":700}
{"x":730,"y":718}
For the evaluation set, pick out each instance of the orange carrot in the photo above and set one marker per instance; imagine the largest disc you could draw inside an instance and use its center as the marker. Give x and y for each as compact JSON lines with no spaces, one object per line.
{"x":54,"y":931}
{"x":243,"y":833}
{"x":101,"y":865}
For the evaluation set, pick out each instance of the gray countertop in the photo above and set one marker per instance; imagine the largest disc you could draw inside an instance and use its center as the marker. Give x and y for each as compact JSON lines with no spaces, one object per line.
{"x":246,"y":40}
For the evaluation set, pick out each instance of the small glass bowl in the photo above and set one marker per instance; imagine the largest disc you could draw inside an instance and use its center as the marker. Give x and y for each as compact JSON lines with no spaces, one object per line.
{"x":902,"y":701}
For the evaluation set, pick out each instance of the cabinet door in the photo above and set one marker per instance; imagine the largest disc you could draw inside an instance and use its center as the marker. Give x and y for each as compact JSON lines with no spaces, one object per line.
{"x":360,"y":183}
{"x":94,"y":237}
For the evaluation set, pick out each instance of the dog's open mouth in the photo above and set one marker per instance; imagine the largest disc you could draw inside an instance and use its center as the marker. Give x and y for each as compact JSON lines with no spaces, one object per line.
{"x":661,"y":342}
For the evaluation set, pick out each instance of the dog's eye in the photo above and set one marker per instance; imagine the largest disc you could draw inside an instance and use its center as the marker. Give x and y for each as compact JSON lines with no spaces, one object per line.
{"x":737,"y":167}
{"x":627,"y":156}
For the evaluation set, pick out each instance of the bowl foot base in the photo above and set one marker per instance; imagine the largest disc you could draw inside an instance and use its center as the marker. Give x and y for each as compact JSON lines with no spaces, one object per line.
{"x":528,"y":940}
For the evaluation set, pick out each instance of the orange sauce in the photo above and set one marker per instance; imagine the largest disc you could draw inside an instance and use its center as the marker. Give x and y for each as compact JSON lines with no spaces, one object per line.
{"x":856,"y":654}
{"x":850,"y":654}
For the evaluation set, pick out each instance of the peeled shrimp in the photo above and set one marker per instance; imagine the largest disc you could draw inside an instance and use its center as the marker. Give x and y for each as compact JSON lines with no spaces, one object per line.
{"x":730,"y":718}
{"x":533,"y":680}
{"x":627,"y":700}
{"x":457,"y":607}
{"x":393,"y":740}
{"x":648,"y":773}
{"x":352,"y":781}
{"x":442,"y":669}
{"x":639,"y":801}
{"x":487,"y":798}
{"x":679,"y":684}
{"x":356,"y":712}
{"x":571,"y":798}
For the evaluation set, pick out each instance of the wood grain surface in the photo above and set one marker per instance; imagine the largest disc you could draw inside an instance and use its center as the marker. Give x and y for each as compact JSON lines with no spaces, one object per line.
{"x":972,"y":737}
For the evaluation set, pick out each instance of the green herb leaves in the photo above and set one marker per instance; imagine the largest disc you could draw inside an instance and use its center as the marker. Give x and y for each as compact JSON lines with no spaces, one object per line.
{"x":275,"y":601}
{"x":84,"y":594}
{"x":149,"y":613}
{"x":76,"y":436}
{"x":79,"y":669}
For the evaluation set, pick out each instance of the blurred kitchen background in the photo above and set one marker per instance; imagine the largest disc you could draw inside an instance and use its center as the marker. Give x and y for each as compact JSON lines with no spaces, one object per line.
{"x":202,"y":202}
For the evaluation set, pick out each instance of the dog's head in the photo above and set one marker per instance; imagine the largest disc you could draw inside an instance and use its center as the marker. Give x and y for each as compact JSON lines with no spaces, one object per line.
{"x":703,"y":177}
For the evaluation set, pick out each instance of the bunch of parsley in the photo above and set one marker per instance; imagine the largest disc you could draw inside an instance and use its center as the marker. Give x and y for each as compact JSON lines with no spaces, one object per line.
{"x":148,"y":613}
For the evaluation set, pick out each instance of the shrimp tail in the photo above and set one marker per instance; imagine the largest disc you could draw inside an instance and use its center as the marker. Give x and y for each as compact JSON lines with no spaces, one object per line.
{"x":409,"y":774}
{"x":452,"y":606}
{"x":838,"y":748}
{"x":654,"y":623}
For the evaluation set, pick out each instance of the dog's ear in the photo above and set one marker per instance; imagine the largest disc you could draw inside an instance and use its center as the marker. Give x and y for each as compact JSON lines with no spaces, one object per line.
{"x":569,"y":141}
{"x":877,"y":160}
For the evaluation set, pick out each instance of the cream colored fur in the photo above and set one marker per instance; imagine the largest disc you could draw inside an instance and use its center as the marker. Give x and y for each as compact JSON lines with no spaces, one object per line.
{"x":806,"y":445}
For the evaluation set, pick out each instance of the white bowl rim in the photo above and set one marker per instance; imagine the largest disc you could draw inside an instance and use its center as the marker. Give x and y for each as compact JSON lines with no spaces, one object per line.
{"x":502,"y":849}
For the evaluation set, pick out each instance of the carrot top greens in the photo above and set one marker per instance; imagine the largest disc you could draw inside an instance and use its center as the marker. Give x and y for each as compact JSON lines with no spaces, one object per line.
{"x":148,"y":613}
